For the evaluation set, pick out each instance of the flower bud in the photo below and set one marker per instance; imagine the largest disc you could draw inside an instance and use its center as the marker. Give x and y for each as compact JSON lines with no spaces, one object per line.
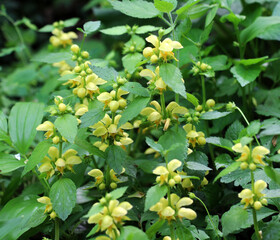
{"x":53,"y":215}
{"x":85,"y":54}
{"x":77,"y":69}
{"x":171,"y":182}
{"x":201,"y":141}
{"x":89,"y":71}
{"x":113,"y":185}
{"x":102,"y":186}
{"x":56,"y":140}
{"x":203,"y":67}
{"x":177,"y":178}
{"x":122,"y":103}
{"x":210,"y":103}
{"x":62,"y":107}
{"x":264,"y":201}
{"x":244,"y":165}
{"x":191,"y":195}
{"x":83,"y":73}
{"x":257,"y":205}
{"x":148,"y":52}
{"x":252,"y":166}
{"x":103,"y":201}
{"x":154,"y":59}
{"x":131,"y":48}
{"x":81,"y":92}
{"x":75,"y":48}
{"x":108,"y":196}
{"x":121,"y":81}
{"x":114,"y":106}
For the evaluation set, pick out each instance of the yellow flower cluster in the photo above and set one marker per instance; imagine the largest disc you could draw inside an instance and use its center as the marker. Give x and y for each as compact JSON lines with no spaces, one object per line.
{"x":62,"y":39}
{"x":162,"y":51}
{"x":193,"y":136}
{"x":49,"y":209}
{"x":155,"y":115}
{"x":175,"y":210}
{"x":55,"y":163}
{"x":254,"y":198}
{"x":100,"y":181}
{"x":111,"y":217}
{"x":111,"y":133}
{"x":187,"y":183}
{"x":250,"y":158}
{"x":155,"y":81}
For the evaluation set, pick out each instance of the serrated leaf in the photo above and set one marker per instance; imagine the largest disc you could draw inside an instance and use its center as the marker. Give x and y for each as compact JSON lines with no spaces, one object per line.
{"x":132,"y":233}
{"x":182,"y":232}
{"x":137,"y":9}
{"x":197,"y":166}
{"x":135,"y":88}
{"x":131,"y":60}
{"x":118,"y":193}
{"x":63,"y":197}
{"x":152,"y":230}
{"x":154,"y":194}
{"x":115,"y":31}
{"x":213,"y":115}
{"x":154,"y":145}
{"x":115,"y":157}
{"x":92,"y":117}
{"x":91,"y":26}
{"x":272,"y":174}
{"x":271,"y":231}
{"x":172,"y":76}
{"x":253,"y":128}
{"x":52,"y":57}
{"x":37,"y":155}
{"x":233,"y":131}
{"x":108,"y":74}
{"x":9,"y":163}
{"x":23,"y":120}
{"x":67,"y":126}
{"x":165,"y":6}
{"x":133,"y":109}
{"x":96,"y":208}
{"x":232,"y":167}
{"x":192,"y":99}
{"x":89,"y":147}
{"x":146,"y":29}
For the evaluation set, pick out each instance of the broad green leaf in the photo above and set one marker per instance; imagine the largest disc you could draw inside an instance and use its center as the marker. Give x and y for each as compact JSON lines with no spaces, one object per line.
{"x":118,"y":193}
{"x":182,"y":232}
{"x":218,"y":63}
{"x":131,"y":60}
{"x":91,"y":26}
{"x":213,"y":115}
{"x":271,"y":231}
{"x":37,"y":155}
{"x":197,"y":166}
{"x":67,"y":77}
{"x":19,"y":215}
{"x":5,"y":137}
{"x":71,"y":22}
{"x":136,"y":88}
{"x":115,"y":157}
{"x":133,"y":109}
{"x":246,"y":140}
{"x":23,"y":120}
{"x":52,"y":57}
{"x":152,"y":230}
{"x":192,"y":99}
{"x":63,"y":197}
{"x":198,"y":11}
{"x":108,"y":74}
{"x":154,"y":145}
{"x":132,"y":233}
{"x":92,"y":117}
{"x":274,"y":193}
{"x":67,"y":126}
{"x":232,"y":167}
{"x":205,"y":34}
{"x":96,"y":208}
{"x":211,"y":15}
{"x":272,"y":174}
{"x":275,"y":158}
{"x":165,"y":5}
{"x":233,"y":131}
{"x":183,"y":11}
{"x":146,"y":165}
{"x":9,"y":163}
{"x":252,"y":61}
{"x":223,"y":160}
{"x":115,"y":31}
{"x":220,"y":142}
{"x":3,"y":122}
{"x":268,"y":111}
{"x":146,"y":29}
{"x":172,"y":76}
{"x":137,"y":9}
{"x":245,"y":74}
{"x":234,"y":219}
{"x":154,"y":194}
{"x":47,"y":28}
{"x":253,"y":128}
{"x":89,"y":147}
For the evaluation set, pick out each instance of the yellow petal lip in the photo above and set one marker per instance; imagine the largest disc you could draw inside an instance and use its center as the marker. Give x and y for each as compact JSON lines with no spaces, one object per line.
{"x":246,"y":193}
{"x":45,"y":200}
{"x":260,"y":185}
{"x":173,"y":164}
{"x":168,"y":212}
{"x":95,"y":173}
{"x":147,"y":73}
{"x":187,"y":213}
{"x":260,"y":150}
{"x":240,"y":149}
{"x":185,"y":201}
{"x":73,"y":160}
{"x":160,"y":170}
{"x":153,"y":40}
{"x":176,"y":45}
{"x":192,"y":134}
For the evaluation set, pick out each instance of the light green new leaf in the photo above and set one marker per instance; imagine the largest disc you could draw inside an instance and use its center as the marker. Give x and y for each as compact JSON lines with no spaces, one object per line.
{"x":152,"y":230}
{"x":135,"y":88}
{"x":213,"y":115}
{"x":9,"y":163}
{"x":252,"y":61}
{"x":154,"y":145}
{"x":115,"y":157}
{"x":146,"y":29}
{"x":192,"y":99}
{"x":91,"y":26}
{"x":63,"y":197}
{"x":136,"y":8}
{"x":165,"y":6}
{"x":96,"y":208}
{"x":118,"y":193}
{"x":132,"y":233}
{"x":197,"y":166}
{"x":23,"y":120}
{"x":220,"y":142}
{"x":92,"y":116}
{"x":115,"y":31}
{"x":131,"y":60}
{"x":37,"y":155}
{"x":3,"y":122}
{"x":232,"y":167}
{"x":172,"y":76}
{"x":272,"y":174}
{"x":154,"y":194}
{"x":70,"y":22}
{"x":67,"y":126}
{"x":211,"y":15}
{"x":52,"y":57}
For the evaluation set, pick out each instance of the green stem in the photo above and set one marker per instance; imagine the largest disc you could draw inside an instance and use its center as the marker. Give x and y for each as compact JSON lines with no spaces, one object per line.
{"x":107,"y":176}
{"x":60,"y":149}
{"x":203,"y":91}
{"x":162,"y":101}
{"x":210,"y":218}
{"x":82,"y":44}
{"x":211,"y":151}
{"x":56,"y":228}
{"x":172,"y":233}
{"x":168,"y":23}
{"x":168,"y":196}
{"x":43,"y":181}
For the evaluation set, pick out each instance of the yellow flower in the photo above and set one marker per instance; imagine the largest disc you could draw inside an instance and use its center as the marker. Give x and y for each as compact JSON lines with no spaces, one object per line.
{"x":193,"y":136}
{"x":258,"y":154}
{"x":259,"y":186}
{"x":48,"y":127}
{"x":155,"y":79}
{"x":61,"y":38}
{"x":246,"y":196}
{"x":244,"y":150}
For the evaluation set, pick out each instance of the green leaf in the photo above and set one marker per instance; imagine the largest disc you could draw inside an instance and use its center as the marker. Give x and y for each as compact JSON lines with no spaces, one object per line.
{"x":132,"y":233}
{"x":245,"y":74}
{"x":205,"y":34}
{"x":245,"y":140}
{"x":37,"y":155}
{"x":253,"y":128}
{"x":108,"y":74}
{"x":234,"y":219}
{"x":218,"y":63}
{"x":136,"y":88}
{"x":233,"y":131}
{"x":133,"y":109}
{"x":146,"y":165}
{"x":63,"y":197}
{"x":92,"y":116}
{"x":182,"y":232}
{"x":220,"y":142}
{"x":152,"y":230}
{"x":181,"y":12}
{"x":52,"y":57}
{"x":274,"y":193}
{"x":93,"y":230}
{"x":91,"y":27}
{"x":192,"y":99}
{"x":96,"y":208}
{"x":154,"y":145}
{"x":146,"y":29}
{"x":211,"y":15}
{"x":67,"y":77}
{"x":272,"y":174}
{"x":67,"y":126}
{"x":47,"y":28}
{"x":118,"y":193}
{"x":9,"y":163}
{"x":154,"y":194}
{"x":137,"y":9}
{"x":89,"y":147}
{"x":23,"y":120}
{"x":115,"y":31}
{"x":172,"y":76}
{"x":197,"y":166}
{"x":213,"y":115}
{"x":232,"y":167}
{"x":271,"y":231}
{"x":165,"y":5}
{"x":268,"y":111}
{"x":3,"y":122}
{"x":115,"y":157}
{"x":19,"y":215}
{"x":252,"y":61}
{"x":70,"y":22}
{"x":131,"y":60}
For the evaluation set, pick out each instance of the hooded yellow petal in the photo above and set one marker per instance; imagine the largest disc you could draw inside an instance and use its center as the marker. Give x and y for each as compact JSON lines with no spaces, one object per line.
{"x":147,"y":73}
{"x":187,"y":213}
{"x":95,"y":173}
{"x":160,"y":170}
{"x":174,"y":164}
{"x":153,"y":40}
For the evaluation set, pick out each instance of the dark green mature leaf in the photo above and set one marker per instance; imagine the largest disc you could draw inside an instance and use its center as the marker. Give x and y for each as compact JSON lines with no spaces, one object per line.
{"x":3,"y":122}
{"x":211,"y":15}
{"x":9,"y":163}
{"x":271,"y":231}
{"x":23,"y":120}
{"x":37,"y":155}
{"x":218,"y":63}
{"x":245,"y":74}
{"x":133,"y":109}
{"x":19,"y":215}
{"x":234,"y":219}
{"x":131,"y":60}
{"x":132,"y":233}
{"x":108,"y":74}
{"x":154,"y":145}
{"x":220,"y":142}
{"x":233,"y":131}
{"x":253,"y":128}
{"x":213,"y":115}
{"x":67,"y":126}
{"x":268,"y":111}
{"x":115,"y":157}
{"x":232,"y":167}
{"x":52,"y":57}
{"x":197,"y":166}
{"x":182,"y":232}
{"x":118,"y":193}
{"x":91,"y":26}
{"x":136,"y":88}
{"x":63,"y":197}
{"x":172,"y":76}
{"x":154,"y":194}
{"x":146,"y":165}
{"x":92,"y":116}
{"x":115,"y":31}
{"x":137,"y":9}
{"x":165,"y":5}
{"x":89,"y":147}
{"x":272,"y":174}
